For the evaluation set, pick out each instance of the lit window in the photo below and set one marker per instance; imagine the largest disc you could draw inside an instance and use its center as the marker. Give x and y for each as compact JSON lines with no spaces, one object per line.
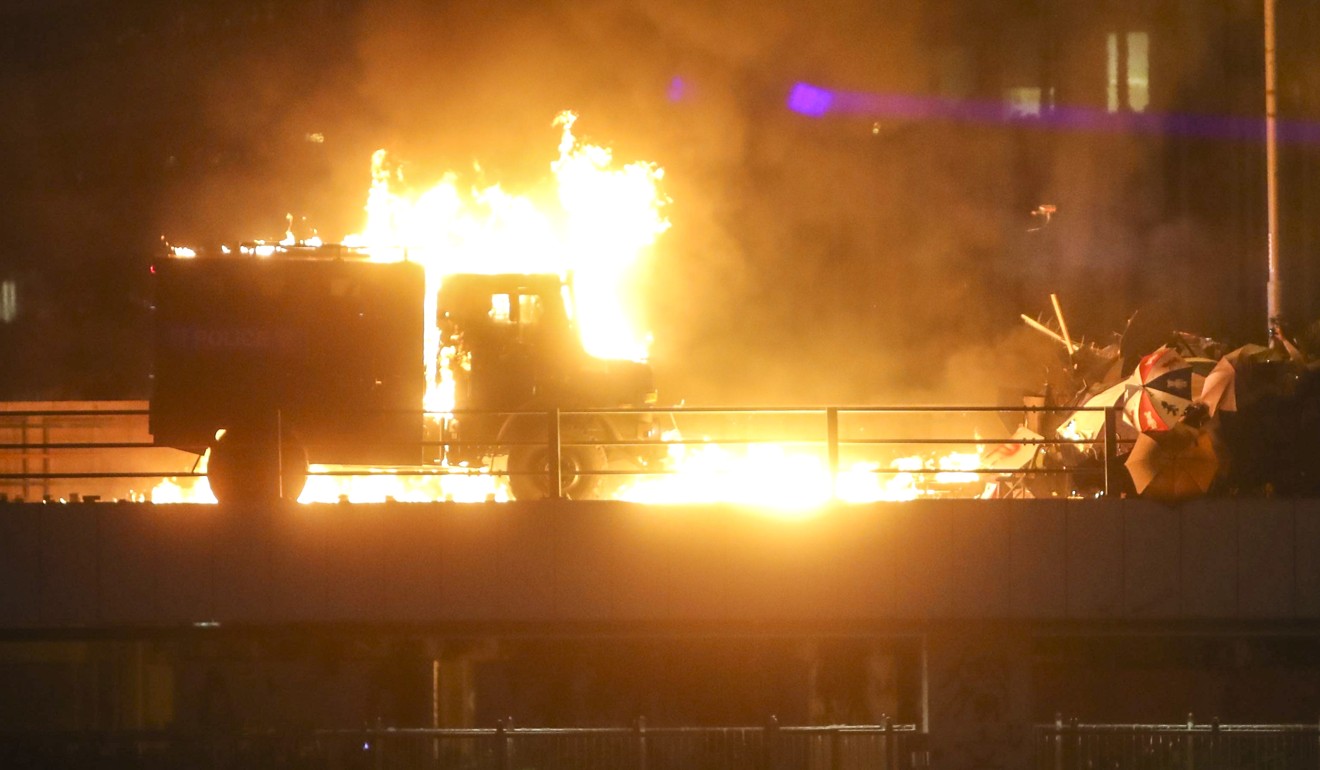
{"x":1138,"y":71}
{"x":1111,"y":71}
{"x":1023,"y":102}
{"x":8,"y":301}
{"x":500,"y":309}
{"x":1129,"y":53}
{"x":529,"y":309}
{"x":516,"y":309}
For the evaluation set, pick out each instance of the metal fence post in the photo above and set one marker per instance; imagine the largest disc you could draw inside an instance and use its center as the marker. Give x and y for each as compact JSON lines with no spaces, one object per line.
{"x":1215,"y":751}
{"x":45,"y":458}
{"x":891,"y":744}
{"x":1058,"y":740}
{"x":556,"y":470}
{"x":832,"y":448}
{"x":25,"y":461}
{"x":639,"y":734}
{"x":1111,"y":446}
{"x":279,"y":453}
{"x":503,"y":758}
{"x":1189,"y":760}
{"x":768,"y":743}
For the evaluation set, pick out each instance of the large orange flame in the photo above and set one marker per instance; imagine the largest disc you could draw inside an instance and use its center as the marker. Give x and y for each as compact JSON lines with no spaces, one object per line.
{"x":593,"y":226}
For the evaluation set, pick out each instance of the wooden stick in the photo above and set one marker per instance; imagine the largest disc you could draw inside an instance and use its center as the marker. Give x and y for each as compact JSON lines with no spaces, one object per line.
{"x":1038,"y":326}
{"x":1058,"y":313}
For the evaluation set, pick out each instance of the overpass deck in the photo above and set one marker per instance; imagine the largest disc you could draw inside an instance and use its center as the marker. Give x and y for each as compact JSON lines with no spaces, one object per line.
{"x":563,"y":564}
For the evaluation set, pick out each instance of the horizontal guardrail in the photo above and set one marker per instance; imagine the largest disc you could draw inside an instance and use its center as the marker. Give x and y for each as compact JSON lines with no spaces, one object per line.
{"x":1070,"y":745}
{"x":837,"y":747}
{"x":41,"y":446}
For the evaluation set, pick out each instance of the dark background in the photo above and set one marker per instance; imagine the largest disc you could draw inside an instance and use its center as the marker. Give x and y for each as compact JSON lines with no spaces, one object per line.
{"x":877,"y":255}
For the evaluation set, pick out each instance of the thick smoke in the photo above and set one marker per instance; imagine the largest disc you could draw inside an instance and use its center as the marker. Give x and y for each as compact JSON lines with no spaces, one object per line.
{"x":851,"y":258}
{"x":809,"y":261}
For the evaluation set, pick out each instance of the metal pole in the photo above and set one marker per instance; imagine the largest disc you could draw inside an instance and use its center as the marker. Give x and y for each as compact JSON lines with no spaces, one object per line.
{"x":26,"y":462}
{"x":832,"y":448}
{"x":435,"y":708}
{"x":45,"y":459}
{"x":925,"y":684}
{"x":556,"y":450}
{"x":639,"y":732}
{"x":891,"y":744}
{"x":1058,"y":740}
{"x":279,"y":452}
{"x":1189,"y":760}
{"x":1111,"y":446}
{"x":503,"y":760}
{"x":1274,"y":289}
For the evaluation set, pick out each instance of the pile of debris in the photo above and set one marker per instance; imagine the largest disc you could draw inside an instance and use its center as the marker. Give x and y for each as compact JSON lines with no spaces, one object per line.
{"x":1196,"y":418}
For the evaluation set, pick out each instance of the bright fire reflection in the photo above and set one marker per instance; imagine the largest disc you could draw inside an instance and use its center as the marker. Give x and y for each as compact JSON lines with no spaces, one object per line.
{"x":775,"y":477}
{"x":769,"y":476}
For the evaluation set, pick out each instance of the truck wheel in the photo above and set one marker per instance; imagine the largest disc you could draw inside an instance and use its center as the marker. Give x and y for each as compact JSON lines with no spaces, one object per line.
{"x":529,"y":468}
{"x":244,"y":469}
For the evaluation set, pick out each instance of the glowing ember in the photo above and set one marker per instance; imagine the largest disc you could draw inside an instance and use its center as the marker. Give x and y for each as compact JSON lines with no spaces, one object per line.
{"x":382,"y":484}
{"x":326,"y":484}
{"x":185,"y":490}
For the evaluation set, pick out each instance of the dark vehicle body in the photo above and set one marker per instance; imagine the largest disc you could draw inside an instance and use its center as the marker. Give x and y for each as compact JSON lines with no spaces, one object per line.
{"x":515,"y":350}
{"x":330,"y":347}
{"x":319,"y":353}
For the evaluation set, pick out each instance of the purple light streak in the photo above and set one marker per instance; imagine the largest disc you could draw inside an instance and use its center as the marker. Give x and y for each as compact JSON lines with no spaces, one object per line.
{"x":817,"y":102}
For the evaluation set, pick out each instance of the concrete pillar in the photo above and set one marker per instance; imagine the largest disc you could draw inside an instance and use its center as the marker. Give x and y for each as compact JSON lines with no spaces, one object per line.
{"x":135,"y":685}
{"x":978,"y":699}
{"x":851,"y":682}
{"x":453,"y":683}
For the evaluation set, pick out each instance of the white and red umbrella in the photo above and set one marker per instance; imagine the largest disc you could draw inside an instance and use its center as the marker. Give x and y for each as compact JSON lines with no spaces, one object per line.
{"x":1220,"y":390}
{"x":1158,"y":392}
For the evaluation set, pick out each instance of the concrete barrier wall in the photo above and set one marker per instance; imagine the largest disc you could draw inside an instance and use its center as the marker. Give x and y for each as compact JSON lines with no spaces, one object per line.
{"x":485,"y":566}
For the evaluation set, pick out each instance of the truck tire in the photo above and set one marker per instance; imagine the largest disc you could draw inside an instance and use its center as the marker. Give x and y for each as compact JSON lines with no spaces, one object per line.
{"x":529,"y":468}
{"x":244,"y":469}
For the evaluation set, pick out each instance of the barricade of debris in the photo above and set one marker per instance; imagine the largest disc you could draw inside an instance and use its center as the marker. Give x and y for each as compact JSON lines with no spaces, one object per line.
{"x":1197,"y":416}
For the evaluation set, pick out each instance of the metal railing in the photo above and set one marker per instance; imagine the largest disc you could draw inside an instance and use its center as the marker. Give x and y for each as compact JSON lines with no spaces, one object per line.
{"x":837,"y":747}
{"x":105,"y":451}
{"x":823,"y":431}
{"x":41,"y":447}
{"x":1069,"y":745}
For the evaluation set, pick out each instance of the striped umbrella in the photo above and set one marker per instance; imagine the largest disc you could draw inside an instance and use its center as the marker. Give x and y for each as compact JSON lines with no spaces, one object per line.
{"x":1158,"y":392}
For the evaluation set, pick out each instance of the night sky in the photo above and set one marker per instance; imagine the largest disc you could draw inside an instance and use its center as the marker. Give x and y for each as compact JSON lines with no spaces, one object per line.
{"x":873,"y":254}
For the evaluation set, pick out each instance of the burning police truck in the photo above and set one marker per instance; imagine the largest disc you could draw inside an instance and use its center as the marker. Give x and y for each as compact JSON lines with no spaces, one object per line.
{"x":309,"y":354}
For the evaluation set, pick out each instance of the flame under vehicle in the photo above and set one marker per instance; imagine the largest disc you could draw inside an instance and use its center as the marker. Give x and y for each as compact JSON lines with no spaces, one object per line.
{"x":316,"y":356}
